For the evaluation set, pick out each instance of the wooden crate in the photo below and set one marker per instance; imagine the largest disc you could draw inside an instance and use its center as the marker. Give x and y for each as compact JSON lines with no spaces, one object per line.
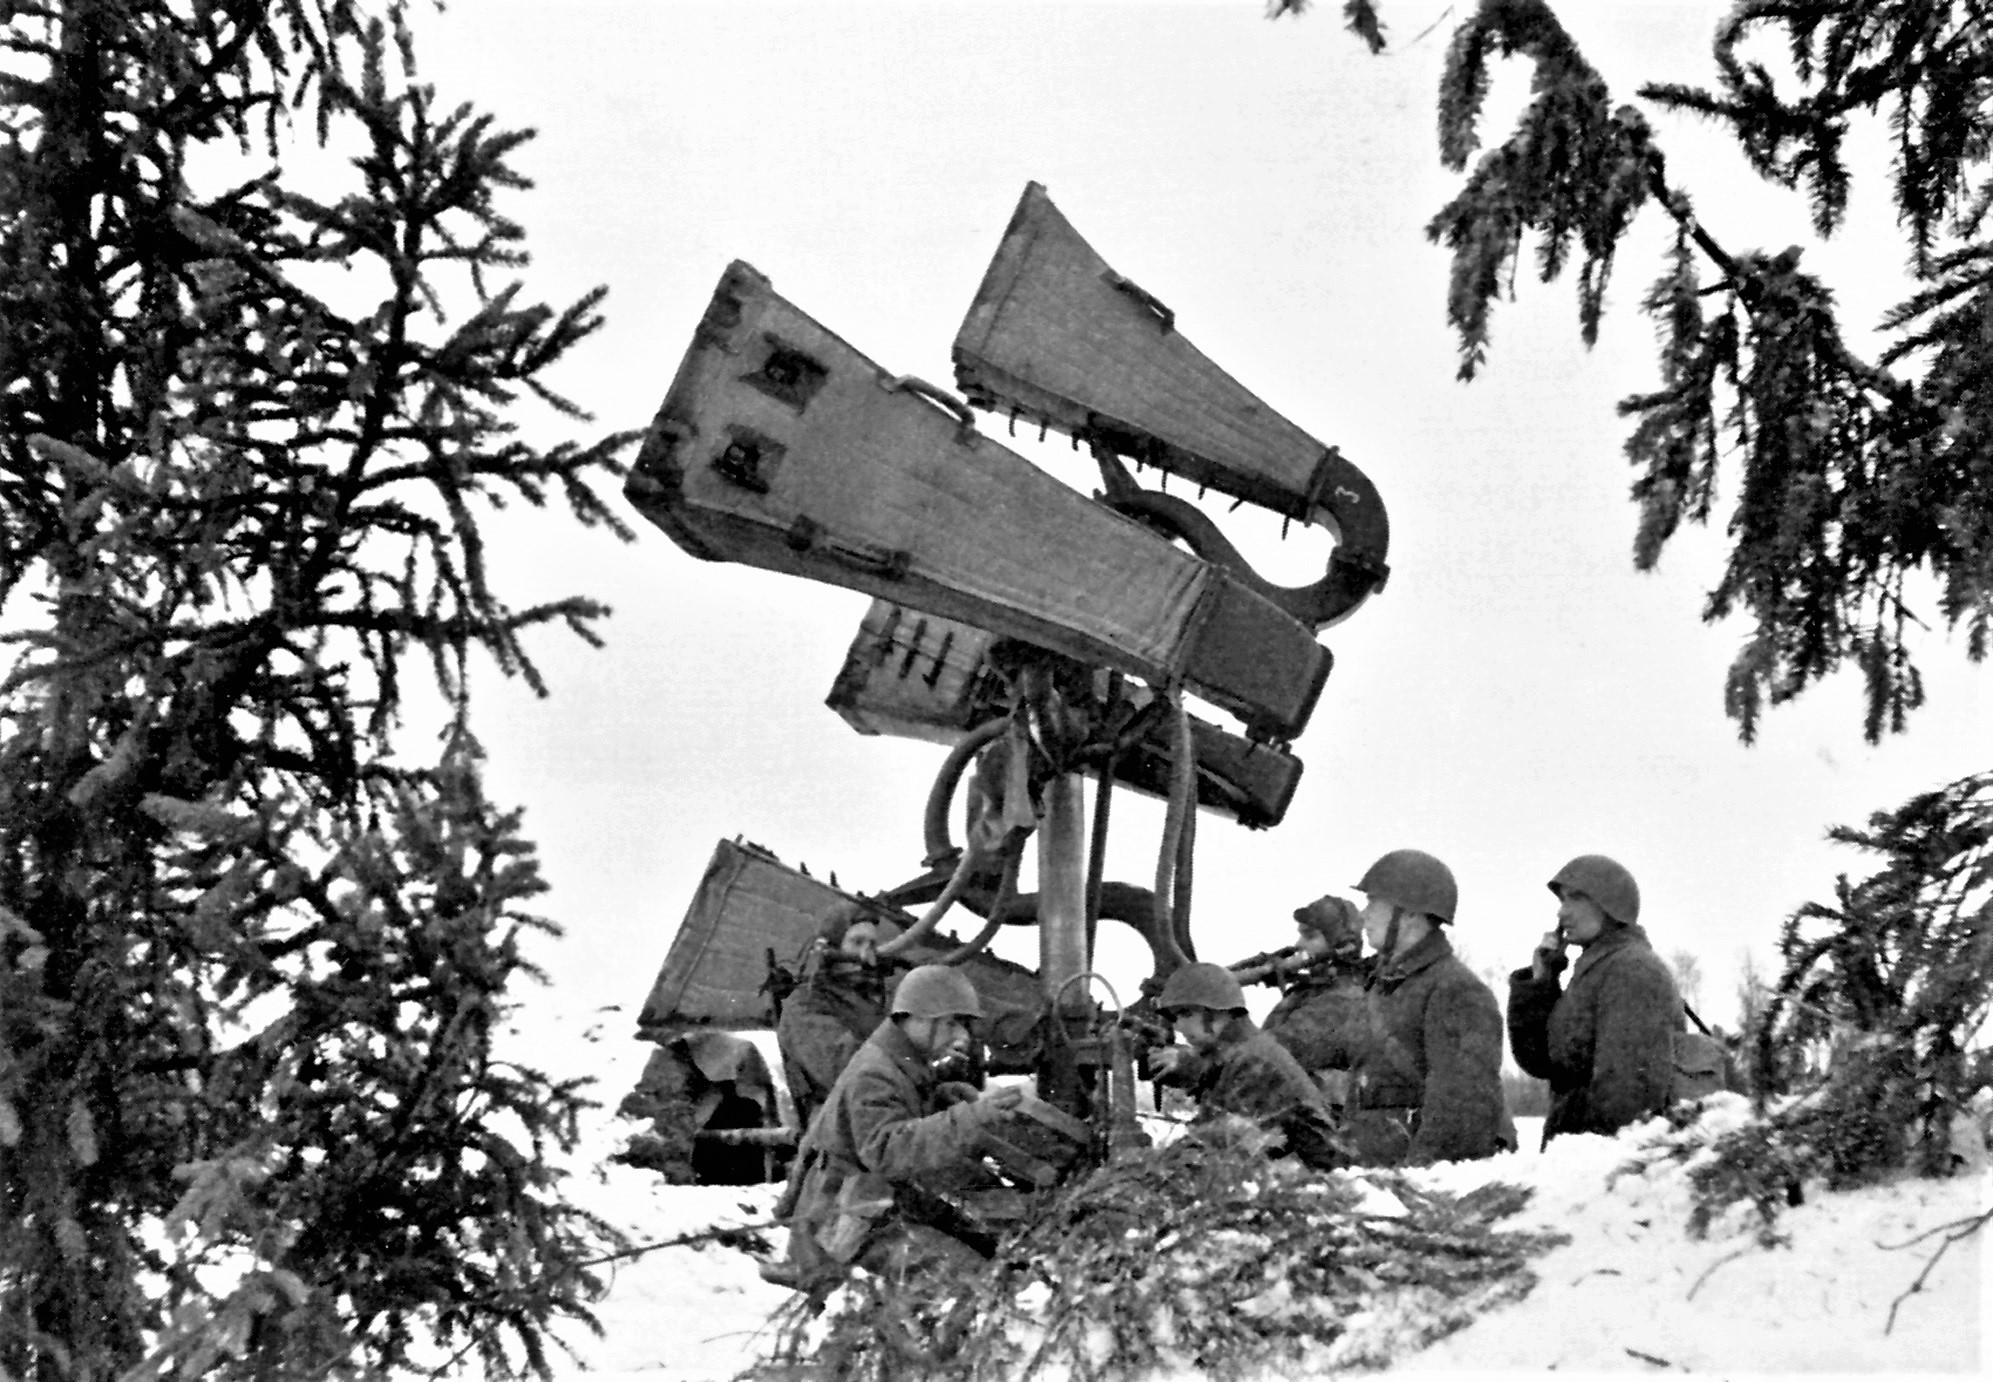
{"x":781,"y":446}
{"x":920,"y":676}
{"x":916,"y":676}
{"x":749,"y":903}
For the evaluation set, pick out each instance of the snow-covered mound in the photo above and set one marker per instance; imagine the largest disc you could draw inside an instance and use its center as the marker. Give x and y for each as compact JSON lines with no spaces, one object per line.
{"x":1632,"y":1289}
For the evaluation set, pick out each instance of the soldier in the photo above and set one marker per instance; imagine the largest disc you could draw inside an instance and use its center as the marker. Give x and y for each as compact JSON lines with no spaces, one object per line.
{"x":1322,"y":1012}
{"x":893,"y":1125}
{"x":1428,"y":1074}
{"x":836,"y":1008}
{"x":1606,"y":1043}
{"x":1231,"y":1066}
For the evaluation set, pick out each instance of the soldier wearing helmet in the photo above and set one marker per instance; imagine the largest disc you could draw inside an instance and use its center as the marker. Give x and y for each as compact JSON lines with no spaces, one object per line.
{"x":1427,"y":1080}
{"x":893,"y":1124}
{"x":1606,"y":1042}
{"x":841,"y":1000}
{"x":1324,"y":1009}
{"x":1231,"y":1067}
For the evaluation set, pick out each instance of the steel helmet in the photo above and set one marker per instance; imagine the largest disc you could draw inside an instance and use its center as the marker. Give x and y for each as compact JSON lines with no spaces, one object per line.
{"x":1202,"y":986}
{"x":936,"y":991}
{"x":1413,"y":879}
{"x":1605,"y":881}
{"x":1335,"y":917}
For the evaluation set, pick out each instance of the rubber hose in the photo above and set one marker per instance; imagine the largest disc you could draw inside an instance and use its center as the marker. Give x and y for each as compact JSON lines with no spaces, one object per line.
{"x":1167,"y":855}
{"x":934,"y":821}
{"x":1184,"y":781}
{"x":917,"y":932}
{"x":1006,"y":889}
{"x":1096,"y":864}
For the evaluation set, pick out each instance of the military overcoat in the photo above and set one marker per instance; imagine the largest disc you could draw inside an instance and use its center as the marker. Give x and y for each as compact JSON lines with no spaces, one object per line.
{"x":1319,"y":1019}
{"x":1254,"y":1076}
{"x":1428,"y":1071}
{"x":887,"y":1125}
{"x":823,"y":1024}
{"x":1606,"y":1042}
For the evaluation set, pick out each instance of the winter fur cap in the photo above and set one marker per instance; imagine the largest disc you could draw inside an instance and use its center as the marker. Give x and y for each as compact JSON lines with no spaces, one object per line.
{"x":1335,"y":917}
{"x":832,"y":925}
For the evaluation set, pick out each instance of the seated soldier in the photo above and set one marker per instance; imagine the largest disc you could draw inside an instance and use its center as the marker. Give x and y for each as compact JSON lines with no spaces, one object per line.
{"x":1231,"y":1066}
{"x":840,"y":1002}
{"x":894,"y":1124}
{"x":1322,"y":1013}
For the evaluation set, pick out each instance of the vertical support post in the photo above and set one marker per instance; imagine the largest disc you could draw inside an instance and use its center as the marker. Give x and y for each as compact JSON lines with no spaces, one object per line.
{"x":1062,"y":864}
{"x":1062,"y":938}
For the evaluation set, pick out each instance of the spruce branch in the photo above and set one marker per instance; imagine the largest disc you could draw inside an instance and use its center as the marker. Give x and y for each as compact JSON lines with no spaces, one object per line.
{"x":1710,"y":1270}
{"x":1954,"y":1232}
{"x":1843,"y":464}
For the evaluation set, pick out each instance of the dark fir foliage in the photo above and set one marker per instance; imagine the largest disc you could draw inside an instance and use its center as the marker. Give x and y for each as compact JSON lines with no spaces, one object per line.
{"x":1869,"y":1052}
{"x":1575,"y":172}
{"x":1850,"y":479}
{"x":1885,"y":993}
{"x":251,"y":959}
{"x":1359,"y":17}
{"x":1202,"y":1257}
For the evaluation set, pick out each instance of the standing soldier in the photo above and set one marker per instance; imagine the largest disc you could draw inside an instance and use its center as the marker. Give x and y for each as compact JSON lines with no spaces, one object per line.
{"x":1323,"y":1011}
{"x":1606,"y":1043}
{"x":1428,"y":1076}
{"x":1231,"y":1066}
{"x":894,"y":1123}
{"x":835,"y":1009}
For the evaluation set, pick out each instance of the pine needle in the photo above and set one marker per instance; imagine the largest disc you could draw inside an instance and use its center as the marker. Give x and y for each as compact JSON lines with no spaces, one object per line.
{"x":1198,"y":1256}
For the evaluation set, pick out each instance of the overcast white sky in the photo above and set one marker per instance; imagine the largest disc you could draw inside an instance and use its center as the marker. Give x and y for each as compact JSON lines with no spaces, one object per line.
{"x":1516,"y":696}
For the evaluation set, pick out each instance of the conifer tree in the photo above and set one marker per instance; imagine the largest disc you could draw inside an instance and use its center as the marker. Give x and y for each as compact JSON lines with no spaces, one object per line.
{"x":1891,"y":986}
{"x":1859,"y":483}
{"x":252,"y":953}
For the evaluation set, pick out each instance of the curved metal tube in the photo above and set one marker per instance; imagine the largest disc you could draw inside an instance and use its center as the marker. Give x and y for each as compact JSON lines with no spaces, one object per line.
{"x":965,"y":421}
{"x":1060,"y":992}
{"x":1356,"y":567}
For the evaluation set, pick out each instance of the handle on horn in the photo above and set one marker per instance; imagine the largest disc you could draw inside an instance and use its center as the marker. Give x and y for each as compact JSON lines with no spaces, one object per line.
{"x":934,"y":393}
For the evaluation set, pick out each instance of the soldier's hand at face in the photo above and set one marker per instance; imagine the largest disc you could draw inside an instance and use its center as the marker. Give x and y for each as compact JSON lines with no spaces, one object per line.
{"x":1164,"y":1060}
{"x":1549,"y":956}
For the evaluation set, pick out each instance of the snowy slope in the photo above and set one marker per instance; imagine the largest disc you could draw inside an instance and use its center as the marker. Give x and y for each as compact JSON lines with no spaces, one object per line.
{"x":1631,"y":1292}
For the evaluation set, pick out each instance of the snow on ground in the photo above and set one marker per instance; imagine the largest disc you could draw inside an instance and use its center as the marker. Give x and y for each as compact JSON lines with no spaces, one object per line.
{"x":1631,"y":1292}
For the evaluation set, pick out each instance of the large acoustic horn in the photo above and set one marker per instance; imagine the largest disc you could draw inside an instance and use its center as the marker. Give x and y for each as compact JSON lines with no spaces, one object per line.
{"x":781,"y":446}
{"x":1057,"y":337}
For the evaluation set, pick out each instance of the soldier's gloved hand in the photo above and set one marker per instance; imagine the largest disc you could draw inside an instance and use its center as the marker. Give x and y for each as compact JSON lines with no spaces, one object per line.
{"x":952,"y":1092}
{"x":1003,"y":1097}
{"x":1165,"y":1059}
{"x":992,"y":1107}
{"x":1549,"y":957}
